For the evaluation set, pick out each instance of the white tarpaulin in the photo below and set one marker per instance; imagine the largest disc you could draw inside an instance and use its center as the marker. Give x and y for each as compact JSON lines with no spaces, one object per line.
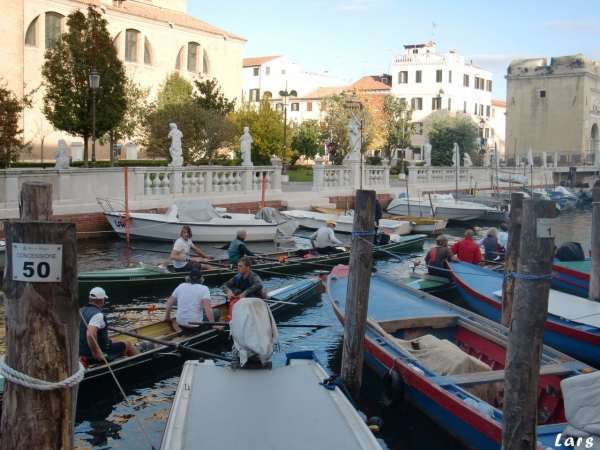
{"x":196,"y":211}
{"x":285,"y":225}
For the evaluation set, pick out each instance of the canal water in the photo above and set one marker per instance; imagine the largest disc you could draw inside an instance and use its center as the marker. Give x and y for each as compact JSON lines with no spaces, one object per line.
{"x":138,"y":421}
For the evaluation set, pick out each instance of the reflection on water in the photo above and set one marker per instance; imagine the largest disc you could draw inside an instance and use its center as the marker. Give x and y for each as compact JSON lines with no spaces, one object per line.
{"x":110,"y":422}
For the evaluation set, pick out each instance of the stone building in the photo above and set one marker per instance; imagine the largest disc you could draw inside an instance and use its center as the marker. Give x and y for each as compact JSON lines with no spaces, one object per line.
{"x":554,"y":107}
{"x":153,"y":37}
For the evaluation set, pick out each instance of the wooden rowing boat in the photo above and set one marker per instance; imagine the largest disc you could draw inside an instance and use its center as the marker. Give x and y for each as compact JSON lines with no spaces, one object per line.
{"x":345,"y":223}
{"x":572,"y":277}
{"x":413,"y":338}
{"x":122,"y":282}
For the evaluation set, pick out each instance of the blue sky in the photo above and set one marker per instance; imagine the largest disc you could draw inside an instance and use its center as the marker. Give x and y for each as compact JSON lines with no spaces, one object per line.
{"x":351,"y":38}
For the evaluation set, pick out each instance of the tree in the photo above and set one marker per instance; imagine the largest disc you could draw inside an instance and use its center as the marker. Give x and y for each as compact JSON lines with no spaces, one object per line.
{"x":220,"y":133}
{"x":398,"y":123}
{"x":306,"y":140}
{"x":443,"y":129}
{"x":68,"y":99}
{"x":138,"y":107}
{"x":174,"y":90}
{"x":40,"y":132}
{"x":334,"y":127}
{"x":12,"y":144}
{"x":208,"y":96}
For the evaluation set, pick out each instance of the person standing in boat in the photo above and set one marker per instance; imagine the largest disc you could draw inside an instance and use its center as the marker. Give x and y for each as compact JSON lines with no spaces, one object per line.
{"x":193,"y":305}
{"x":436,"y":258}
{"x":324,"y":237}
{"x":246,"y":283}
{"x":237,"y":248}
{"x":180,"y":255}
{"x":467,"y":250}
{"x":94,"y":343}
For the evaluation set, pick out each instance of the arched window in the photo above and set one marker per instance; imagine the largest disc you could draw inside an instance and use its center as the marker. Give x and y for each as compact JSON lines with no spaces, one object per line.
{"x":53,"y":27}
{"x":205,"y":63}
{"x":131,"y":45}
{"x":31,"y":35}
{"x":192,"y":57}
{"x":147,"y":52}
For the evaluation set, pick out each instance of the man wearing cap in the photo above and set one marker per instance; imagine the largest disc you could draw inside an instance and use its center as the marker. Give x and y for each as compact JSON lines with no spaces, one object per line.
{"x":94,"y":343}
{"x":324,"y":237}
{"x":437,"y":257}
{"x":193,"y":305}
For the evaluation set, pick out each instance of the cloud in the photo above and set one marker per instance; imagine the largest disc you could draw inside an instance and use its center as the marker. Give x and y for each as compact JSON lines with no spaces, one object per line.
{"x":573,"y":26}
{"x":362,"y":5}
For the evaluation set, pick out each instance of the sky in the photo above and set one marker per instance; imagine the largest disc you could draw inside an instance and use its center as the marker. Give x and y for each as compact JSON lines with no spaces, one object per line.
{"x":354,"y":38}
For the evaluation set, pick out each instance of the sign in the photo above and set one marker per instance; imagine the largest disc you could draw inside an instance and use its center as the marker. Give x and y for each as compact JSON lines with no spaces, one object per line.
{"x":546,"y":228}
{"x":38,"y":263}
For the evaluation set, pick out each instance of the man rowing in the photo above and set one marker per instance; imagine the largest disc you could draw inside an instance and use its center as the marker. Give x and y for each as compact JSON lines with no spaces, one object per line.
{"x":246,"y":283}
{"x":180,"y":255}
{"x":237,"y":248}
{"x":324,"y":237}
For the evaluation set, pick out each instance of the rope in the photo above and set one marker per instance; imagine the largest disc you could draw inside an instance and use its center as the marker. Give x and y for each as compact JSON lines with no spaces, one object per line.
{"x":512,"y":275}
{"x":363,"y":233}
{"x":25,"y":380}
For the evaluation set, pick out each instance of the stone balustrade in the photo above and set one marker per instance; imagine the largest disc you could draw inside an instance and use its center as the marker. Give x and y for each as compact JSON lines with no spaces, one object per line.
{"x":336,"y":180}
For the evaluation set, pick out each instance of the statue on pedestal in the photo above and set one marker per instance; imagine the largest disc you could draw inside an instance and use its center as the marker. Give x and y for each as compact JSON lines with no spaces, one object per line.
{"x":245,"y":144}
{"x":176,"y":152}
{"x":486,"y":160}
{"x":529,"y":158}
{"x":467,"y":160}
{"x":61,"y":155}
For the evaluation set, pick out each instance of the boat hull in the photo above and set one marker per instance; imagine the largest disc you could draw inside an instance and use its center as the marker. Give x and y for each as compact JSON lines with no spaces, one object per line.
{"x":344,"y":224}
{"x":572,"y":277}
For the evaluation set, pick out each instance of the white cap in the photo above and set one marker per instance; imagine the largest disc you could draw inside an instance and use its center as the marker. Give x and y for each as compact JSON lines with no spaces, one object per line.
{"x":98,"y":293}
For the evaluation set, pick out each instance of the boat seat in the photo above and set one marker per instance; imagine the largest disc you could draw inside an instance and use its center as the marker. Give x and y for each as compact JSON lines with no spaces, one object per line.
{"x":392,"y":325}
{"x":473,"y":379}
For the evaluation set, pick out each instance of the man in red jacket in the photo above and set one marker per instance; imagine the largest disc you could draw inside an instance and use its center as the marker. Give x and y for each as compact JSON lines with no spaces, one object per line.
{"x":467,"y":250}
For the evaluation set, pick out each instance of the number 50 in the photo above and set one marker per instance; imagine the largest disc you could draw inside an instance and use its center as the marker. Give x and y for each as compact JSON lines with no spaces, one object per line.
{"x":29,"y":269}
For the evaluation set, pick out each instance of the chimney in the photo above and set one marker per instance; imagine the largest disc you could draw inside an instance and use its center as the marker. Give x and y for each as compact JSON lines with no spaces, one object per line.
{"x":326,"y":73}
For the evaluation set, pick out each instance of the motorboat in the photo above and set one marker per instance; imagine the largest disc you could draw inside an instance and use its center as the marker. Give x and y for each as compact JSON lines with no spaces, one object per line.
{"x":438,"y":205}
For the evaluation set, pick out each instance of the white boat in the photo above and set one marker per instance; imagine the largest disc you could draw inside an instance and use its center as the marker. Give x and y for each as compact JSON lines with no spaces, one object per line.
{"x":344,"y":223}
{"x":207,"y":224}
{"x":441,"y":205}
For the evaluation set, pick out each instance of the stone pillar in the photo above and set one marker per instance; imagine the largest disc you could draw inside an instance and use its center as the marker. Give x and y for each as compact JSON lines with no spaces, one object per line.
{"x":318,"y":174}
{"x":354,"y":166}
{"x":77,"y":151}
{"x":12,"y":189}
{"x":175,"y":177}
{"x":64,"y":184}
{"x":246,"y":174}
{"x":131,"y":151}
{"x":412,"y":174}
{"x":276,"y":177}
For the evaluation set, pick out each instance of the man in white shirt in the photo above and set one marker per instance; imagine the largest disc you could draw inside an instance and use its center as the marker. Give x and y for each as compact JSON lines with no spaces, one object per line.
{"x":182,"y":262}
{"x":324,"y":237}
{"x":193,"y":305}
{"x":503,"y":235}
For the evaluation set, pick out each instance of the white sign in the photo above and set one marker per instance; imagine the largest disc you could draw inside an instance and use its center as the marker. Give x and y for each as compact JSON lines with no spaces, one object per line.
{"x":546,"y":228}
{"x":37,"y":263}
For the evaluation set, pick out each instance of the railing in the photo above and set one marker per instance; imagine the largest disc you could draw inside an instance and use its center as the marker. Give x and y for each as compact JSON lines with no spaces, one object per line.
{"x":348,"y":176}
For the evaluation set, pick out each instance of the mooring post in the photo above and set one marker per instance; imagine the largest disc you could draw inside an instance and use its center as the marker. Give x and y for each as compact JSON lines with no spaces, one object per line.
{"x":40,"y":295}
{"x":513,"y":250}
{"x":525,"y":340}
{"x":357,"y":295}
{"x":595,"y":269}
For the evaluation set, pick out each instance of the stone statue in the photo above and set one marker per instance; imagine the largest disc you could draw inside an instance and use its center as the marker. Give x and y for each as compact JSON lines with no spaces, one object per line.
{"x":544,"y":159}
{"x":61,"y":155}
{"x":455,"y":156}
{"x":467,"y":160}
{"x":486,"y":160}
{"x":496,"y":158}
{"x":529,"y":158}
{"x":176,"y":152}
{"x":354,"y":131}
{"x":427,"y":152}
{"x":245,"y":143}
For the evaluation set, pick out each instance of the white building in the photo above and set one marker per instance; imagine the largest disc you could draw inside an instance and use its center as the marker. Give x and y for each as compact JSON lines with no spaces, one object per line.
{"x":432,"y":81}
{"x":497,"y":127}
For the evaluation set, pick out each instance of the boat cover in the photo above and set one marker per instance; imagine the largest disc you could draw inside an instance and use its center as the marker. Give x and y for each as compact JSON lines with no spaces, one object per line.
{"x":285,"y":225}
{"x":253,"y":329}
{"x":570,"y":251}
{"x":582,"y":405}
{"x":196,"y":211}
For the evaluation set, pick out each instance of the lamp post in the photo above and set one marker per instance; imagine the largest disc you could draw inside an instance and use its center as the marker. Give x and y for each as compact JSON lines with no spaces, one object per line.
{"x":481,"y":128}
{"x":402,"y":175}
{"x":285,"y":95}
{"x":94,"y":84}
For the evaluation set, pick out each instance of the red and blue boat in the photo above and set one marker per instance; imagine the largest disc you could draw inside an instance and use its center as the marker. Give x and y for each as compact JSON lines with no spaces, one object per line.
{"x":573,"y":324}
{"x":572,"y":277}
{"x":409,"y":332}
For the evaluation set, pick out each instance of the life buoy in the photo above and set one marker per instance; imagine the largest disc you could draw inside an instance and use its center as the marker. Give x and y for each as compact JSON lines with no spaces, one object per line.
{"x":392,"y":389}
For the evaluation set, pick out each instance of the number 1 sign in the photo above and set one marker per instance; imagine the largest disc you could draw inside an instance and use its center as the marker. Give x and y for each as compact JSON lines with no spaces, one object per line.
{"x":38,"y":263}
{"x":546,"y":228}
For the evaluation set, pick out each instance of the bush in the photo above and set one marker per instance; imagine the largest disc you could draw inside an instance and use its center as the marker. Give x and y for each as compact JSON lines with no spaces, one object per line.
{"x":373,"y":160}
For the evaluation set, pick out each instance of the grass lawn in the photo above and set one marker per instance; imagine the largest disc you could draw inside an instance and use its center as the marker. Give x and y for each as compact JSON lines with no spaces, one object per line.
{"x":300,"y":175}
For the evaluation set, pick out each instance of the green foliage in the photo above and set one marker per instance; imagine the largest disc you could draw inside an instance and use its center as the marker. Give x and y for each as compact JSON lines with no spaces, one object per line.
{"x":68,"y":99}
{"x":138,"y":108}
{"x":220,"y":133}
{"x":373,"y":160}
{"x":398,"y":122}
{"x":306,"y":140}
{"x":443,"y":129}
{"x":175,"y":90}
{"x":301,"y":173}
{"x":11,"y":142}
{"x":334,"y":127}
{"x":208,"y":96}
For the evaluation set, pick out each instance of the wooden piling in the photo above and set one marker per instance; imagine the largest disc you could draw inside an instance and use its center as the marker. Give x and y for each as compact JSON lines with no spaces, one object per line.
{"x":513,"y":250}
{"x":595,"y":269}
{"x":357,"y":296}
{"x":525,"y":340}
{"x":41,"y":327}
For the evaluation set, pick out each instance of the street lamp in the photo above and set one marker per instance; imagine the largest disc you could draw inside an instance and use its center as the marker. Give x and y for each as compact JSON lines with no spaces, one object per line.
{"x":285,"y":95}
{"x":403,"y":116}
{"x":94,"y":85}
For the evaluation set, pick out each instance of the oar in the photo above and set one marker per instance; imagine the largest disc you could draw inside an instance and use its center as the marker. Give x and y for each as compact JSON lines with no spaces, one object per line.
{"x":171,"y":344}
{"x":279,"y":325}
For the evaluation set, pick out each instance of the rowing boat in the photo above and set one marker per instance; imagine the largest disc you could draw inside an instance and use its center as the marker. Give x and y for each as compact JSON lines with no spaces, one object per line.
{"x":449,"y":362}
{"x":151,"y":277}
{"x":572,"y":277}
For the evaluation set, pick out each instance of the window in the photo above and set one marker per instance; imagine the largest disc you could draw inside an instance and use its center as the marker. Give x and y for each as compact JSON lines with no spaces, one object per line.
{"x":295,"y":106}
{"x":415,"y":50}
{"x":205,"y":63}
{"x":465,"y":108}
{"x":53,"y":27}
{"x":419,"y":128}
{"x":384,"y":80}
{"x":466,"y":80}
{"x":476,"y":109}
{"x":542,"y":94}
{"x":147,"y":53}
{"x":481,"y":110}
{"x":402,"y":77}
{"x":487,"y":111}
{"x":309,"y":106}
{"x":131,"y":37}
{"x":416,"y":103}
{"x":31,"y":35}
{"x":438,"y":76}
{"x":418,"y":76}
{"x":256,"y":71}
{"x":254,"y":95}
{"x":477,"y":84}
{"x":449,"y":76}
{"x":192,"y":59}
{"x":449,"y":104}
{"x":488,"y":86}
{"x":279,"y":106}
{"x":493,"y":113}
{"x":436,"y":103}
{"x":267,"y":71}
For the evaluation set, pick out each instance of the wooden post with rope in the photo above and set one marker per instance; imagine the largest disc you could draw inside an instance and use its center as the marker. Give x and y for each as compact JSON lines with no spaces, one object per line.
{"x":357,"y":296}
{"x":595,"y":266}
{"x":40,"y":295}
{"x":513,"y":250}
{"x":525,"y":340}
